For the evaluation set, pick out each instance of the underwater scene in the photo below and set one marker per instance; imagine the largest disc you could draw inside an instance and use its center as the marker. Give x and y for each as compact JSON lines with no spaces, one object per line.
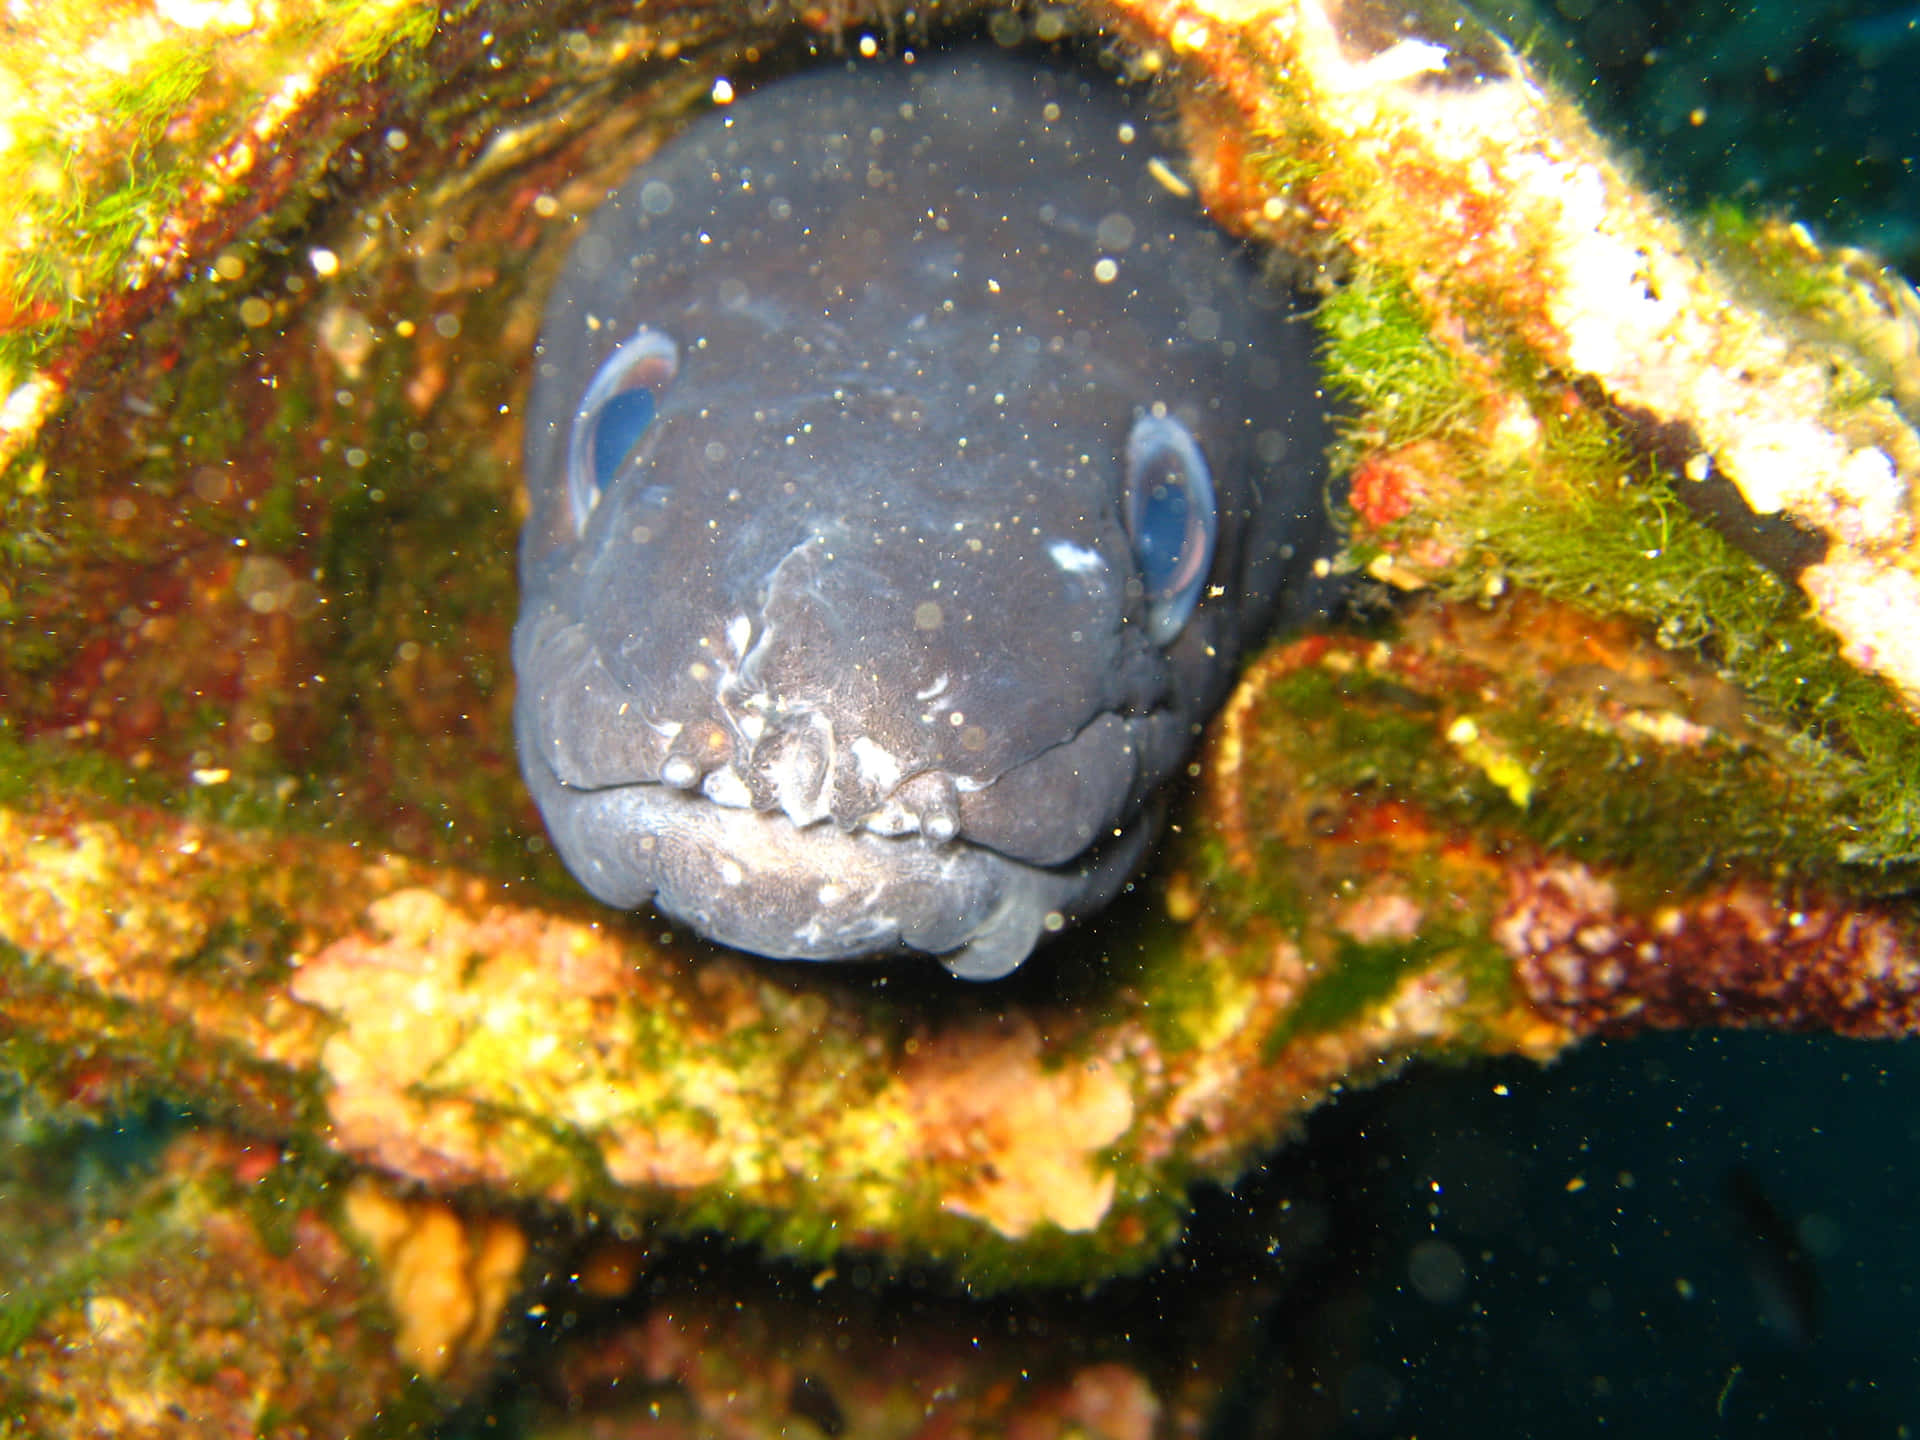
{"x":1157,"y":718}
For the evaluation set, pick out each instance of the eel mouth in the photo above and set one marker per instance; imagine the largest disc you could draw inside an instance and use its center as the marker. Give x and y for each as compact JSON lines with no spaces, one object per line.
{"x":746,"y":749}
{"x":1044,"y":812}
{"x":757,"y":881}
{"x":775,"y":822}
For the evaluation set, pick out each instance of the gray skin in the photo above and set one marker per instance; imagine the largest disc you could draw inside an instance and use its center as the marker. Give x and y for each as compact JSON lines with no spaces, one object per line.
{"x":852,"y":655}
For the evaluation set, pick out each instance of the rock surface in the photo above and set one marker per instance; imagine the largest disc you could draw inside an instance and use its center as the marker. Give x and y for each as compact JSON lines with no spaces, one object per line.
{"x":1638,"y":750}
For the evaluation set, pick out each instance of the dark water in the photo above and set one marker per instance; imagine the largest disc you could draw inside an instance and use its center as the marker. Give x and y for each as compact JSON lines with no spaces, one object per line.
{"x":1808,"y":107}
{"x":1575,"y":1251}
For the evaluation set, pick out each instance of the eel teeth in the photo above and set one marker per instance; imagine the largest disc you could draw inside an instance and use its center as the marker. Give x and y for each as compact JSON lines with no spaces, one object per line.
{"x":697,"y":749}
{"x":927,"y":804}
{"x":792,"y":768}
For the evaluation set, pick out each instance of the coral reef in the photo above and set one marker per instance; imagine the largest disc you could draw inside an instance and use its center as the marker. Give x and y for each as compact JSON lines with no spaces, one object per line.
{"x":1634,"y":744}
{"x":211,"y":1297}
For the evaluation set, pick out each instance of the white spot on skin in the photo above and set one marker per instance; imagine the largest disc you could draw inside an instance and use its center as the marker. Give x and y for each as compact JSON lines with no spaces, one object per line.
{"x":849,"y":910}
{"x":725,"y":787}
{"x":938,"y":687}
{"x":1076,"y":559}
{"x":875,"y":765}
{"x":892,"y":818}
{"x":731,"y":873}
{"x":739,"y":633}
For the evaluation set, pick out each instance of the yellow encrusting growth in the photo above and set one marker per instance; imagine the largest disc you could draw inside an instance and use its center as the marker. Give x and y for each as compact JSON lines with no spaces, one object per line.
{"x":447,"y":1278}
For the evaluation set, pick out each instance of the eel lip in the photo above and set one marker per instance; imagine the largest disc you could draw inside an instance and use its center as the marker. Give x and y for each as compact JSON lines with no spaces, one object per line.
{"x":756,"y":881}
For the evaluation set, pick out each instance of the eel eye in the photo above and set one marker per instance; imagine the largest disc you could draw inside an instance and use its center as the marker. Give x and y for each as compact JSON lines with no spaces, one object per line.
{"x":614,"y":415}
{"x":1171,"y":518}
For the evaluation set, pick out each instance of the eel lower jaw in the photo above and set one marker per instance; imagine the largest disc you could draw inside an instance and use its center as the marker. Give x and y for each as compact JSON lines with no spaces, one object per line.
{"x":756,"y":881}
{"x":751,"y":751}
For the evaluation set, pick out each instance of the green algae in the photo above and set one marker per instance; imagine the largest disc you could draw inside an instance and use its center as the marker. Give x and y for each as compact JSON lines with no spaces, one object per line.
{"x":26,"y":1308}
{"x":130,"y":1054}
{"x":87,"y":220}
{"x":1627,"y":546}
{"x":409,"y":554}
{"x":42,"y":768}
{"x":303,"y":1178}
{"x":1672,"y":815}
{"x":1364,"y":732}
{"x":50,"y":1150}
{"x":1364,"y":974}
{"x":1594,"y":522}
{"x":1378,"y":352}
{"x":42,"y":1065}
{"x":195,"y":1294}
{"x":1721,"y":808}
{"x":1183,"y":993}
{"x":371,"y":32}
{"x":1769,"y":256}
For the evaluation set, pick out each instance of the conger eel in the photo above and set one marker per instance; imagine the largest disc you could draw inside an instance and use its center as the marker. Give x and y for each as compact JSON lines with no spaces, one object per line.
{"x":909,"y":466}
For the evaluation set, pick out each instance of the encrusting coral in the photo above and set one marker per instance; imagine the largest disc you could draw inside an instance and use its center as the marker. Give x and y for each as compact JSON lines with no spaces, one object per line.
{"x":1635,"y":746}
